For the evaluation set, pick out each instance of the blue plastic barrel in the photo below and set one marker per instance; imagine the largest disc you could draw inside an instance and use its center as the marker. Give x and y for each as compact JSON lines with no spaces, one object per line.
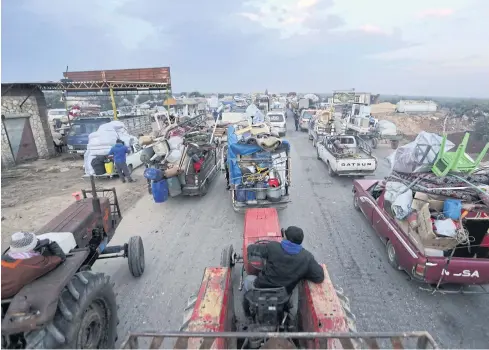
{"x":250,"y":195}
{"x":160,"y":191}
{"x":241,"y":194}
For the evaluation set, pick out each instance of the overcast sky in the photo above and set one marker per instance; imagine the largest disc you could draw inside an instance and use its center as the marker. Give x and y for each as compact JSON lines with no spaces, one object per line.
{"x":417,"y":47}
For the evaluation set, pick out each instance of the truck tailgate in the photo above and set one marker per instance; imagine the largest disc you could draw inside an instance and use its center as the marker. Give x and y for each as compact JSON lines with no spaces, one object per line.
{"x":459,"y":270}
{"x":352,"y":165}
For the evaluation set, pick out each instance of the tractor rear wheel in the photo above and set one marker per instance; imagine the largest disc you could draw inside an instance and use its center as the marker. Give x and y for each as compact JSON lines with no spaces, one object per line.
{"x":227,"y":256}
{"x":187,"y":312}
{"x":135,"y":256}
{"x":86,"y":317}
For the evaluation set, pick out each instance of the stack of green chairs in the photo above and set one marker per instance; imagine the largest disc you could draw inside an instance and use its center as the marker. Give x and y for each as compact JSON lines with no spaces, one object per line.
{"x":457,"y":161}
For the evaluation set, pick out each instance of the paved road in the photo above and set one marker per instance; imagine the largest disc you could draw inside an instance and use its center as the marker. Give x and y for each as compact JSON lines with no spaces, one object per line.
{"x":185,"y":235}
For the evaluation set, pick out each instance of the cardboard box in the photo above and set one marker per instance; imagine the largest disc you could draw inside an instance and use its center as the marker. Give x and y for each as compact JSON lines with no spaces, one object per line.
{"x":435,"y":202}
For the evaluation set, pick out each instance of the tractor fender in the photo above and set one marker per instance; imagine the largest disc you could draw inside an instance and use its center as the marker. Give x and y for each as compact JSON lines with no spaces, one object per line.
{"x":35,"y":304}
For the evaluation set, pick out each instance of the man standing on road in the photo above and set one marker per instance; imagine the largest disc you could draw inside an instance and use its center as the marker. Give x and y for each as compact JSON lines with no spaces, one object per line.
{"x":119,"y":151}
{"x":296,"y":120}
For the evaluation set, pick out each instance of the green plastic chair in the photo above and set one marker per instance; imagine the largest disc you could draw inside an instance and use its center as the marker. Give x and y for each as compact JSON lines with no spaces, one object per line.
{"x":457,"y":161}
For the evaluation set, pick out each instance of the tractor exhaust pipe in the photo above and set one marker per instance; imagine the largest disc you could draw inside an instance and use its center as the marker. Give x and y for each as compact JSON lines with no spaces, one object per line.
{"x":95,"y":199}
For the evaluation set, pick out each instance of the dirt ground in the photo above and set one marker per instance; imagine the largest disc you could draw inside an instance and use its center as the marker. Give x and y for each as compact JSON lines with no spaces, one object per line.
{"x":34,"y":193}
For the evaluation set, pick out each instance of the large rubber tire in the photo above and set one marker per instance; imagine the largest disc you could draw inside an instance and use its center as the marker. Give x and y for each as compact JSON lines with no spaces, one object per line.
{"x":350,"y":316}
{"x":330,"y":170}
{"x":356,"y":205}
{"x":187,"y":312}
{"x":227,"y":256}
{"x":135,"y":256}
{"x":87,"y":302}
{"x":394,"y":144}
{"x":392,"y":255}
{"x":375,"y":143}
{"x":317,"y":153}
{"x":204,"y":189}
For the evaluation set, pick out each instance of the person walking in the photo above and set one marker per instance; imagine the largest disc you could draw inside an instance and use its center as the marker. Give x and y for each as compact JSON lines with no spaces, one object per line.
{"x":296,"y":121}
{"x":119,"y":152}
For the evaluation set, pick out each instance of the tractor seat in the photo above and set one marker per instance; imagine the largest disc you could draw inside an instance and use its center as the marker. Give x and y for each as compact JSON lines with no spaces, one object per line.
{"x":267,"y":305}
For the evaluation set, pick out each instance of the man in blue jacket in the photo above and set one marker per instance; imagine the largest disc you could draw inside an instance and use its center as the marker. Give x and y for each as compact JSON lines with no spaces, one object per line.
{"x":119,"y":151}
{"x":287,"y":263}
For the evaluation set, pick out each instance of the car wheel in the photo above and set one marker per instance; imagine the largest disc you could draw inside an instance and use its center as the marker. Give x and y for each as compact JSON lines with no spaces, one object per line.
{"x":313,"y":143}
{"x":330,"y":170}
{"x":356,"y":203}
{"x":375,"y":143}
{"x":392,"y":255}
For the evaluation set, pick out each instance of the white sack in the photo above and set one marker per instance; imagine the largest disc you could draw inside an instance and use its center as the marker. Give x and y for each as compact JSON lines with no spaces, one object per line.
{"x":175,"y":141}
{"x":407,"y":159}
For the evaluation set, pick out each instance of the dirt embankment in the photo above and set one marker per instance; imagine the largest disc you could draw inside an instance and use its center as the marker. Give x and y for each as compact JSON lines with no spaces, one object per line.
{"x":34,"y":193}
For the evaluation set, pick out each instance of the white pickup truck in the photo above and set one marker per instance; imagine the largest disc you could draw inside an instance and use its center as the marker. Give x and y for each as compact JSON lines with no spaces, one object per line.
{"x":346,"y":155}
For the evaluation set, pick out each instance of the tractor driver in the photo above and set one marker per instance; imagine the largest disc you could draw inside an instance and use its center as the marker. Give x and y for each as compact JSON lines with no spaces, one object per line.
{"x":27,"y":259}
{"x":287,"y":263}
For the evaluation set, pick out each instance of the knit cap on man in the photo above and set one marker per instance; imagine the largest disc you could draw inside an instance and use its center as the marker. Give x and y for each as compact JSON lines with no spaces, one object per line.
{"x":22,"y":242}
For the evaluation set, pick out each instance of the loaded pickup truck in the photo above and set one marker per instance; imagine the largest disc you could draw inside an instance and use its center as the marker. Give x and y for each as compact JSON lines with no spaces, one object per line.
{"x":434,"y":261}
{"x":346,"y":155}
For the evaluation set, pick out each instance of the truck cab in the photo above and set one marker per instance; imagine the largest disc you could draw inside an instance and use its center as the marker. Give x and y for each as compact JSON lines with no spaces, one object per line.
{"x":77,"y":139}
{"x":278,"y":121}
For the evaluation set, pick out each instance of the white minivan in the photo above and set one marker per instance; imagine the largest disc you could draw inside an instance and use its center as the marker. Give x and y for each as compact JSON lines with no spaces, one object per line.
{"x":278,"y":121}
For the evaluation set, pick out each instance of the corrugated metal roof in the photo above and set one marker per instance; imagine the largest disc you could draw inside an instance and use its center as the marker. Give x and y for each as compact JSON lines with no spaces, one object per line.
{"x":155,"y":75}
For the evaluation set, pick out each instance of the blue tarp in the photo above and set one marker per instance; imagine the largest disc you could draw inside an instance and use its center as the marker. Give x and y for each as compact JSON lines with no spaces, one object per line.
{"x":235,"y":149}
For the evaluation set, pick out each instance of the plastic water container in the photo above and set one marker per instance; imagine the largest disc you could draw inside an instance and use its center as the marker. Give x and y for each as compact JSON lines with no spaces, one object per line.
{"x":241,"y":194}
{"x":153,"y":174}
{"x":452,"y":208}
{"x":250,"y":195}
{"x":261,"y":191}
{"x":109,"y":167}
{"x":174,"y":186}
{"x":160,"y":191}
{"x":274,"y":194}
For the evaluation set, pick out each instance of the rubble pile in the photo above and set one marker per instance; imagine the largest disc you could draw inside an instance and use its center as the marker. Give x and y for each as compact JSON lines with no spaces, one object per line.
{"x":430,"y":122}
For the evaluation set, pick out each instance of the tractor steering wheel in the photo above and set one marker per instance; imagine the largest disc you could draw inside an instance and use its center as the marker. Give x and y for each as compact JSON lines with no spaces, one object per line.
{"x":256,"y":260}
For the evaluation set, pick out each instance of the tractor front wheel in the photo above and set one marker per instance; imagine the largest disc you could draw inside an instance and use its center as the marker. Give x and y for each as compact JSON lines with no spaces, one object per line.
{"x":86,"y":317}
{"x":135,"y":256}
{"x":227,"y":256}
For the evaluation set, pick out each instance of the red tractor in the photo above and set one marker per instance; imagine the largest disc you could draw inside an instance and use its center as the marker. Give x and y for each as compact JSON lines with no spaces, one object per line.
{"x":216,"y":317}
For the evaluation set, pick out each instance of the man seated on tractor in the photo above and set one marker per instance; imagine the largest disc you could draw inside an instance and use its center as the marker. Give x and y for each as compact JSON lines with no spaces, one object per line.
{"x":287,"y":263}
{"x":27,"y":259}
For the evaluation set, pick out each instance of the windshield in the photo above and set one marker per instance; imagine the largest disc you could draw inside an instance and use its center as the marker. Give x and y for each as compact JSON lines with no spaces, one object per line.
{"x":276,"y":117}
{"x":85,"y":128}
{"x":307,"y":115}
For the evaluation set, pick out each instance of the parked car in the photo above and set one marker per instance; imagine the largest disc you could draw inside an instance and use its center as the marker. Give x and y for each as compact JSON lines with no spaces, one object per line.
{"x":278,"y":121}
{"x":463,"y":265}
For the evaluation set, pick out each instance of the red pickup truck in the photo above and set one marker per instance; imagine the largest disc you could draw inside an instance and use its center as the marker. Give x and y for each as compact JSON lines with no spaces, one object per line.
{"x":464,"y":267}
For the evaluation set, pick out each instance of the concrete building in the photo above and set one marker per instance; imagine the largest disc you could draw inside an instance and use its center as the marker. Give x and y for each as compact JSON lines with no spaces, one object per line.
{"x":26,"y":134}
